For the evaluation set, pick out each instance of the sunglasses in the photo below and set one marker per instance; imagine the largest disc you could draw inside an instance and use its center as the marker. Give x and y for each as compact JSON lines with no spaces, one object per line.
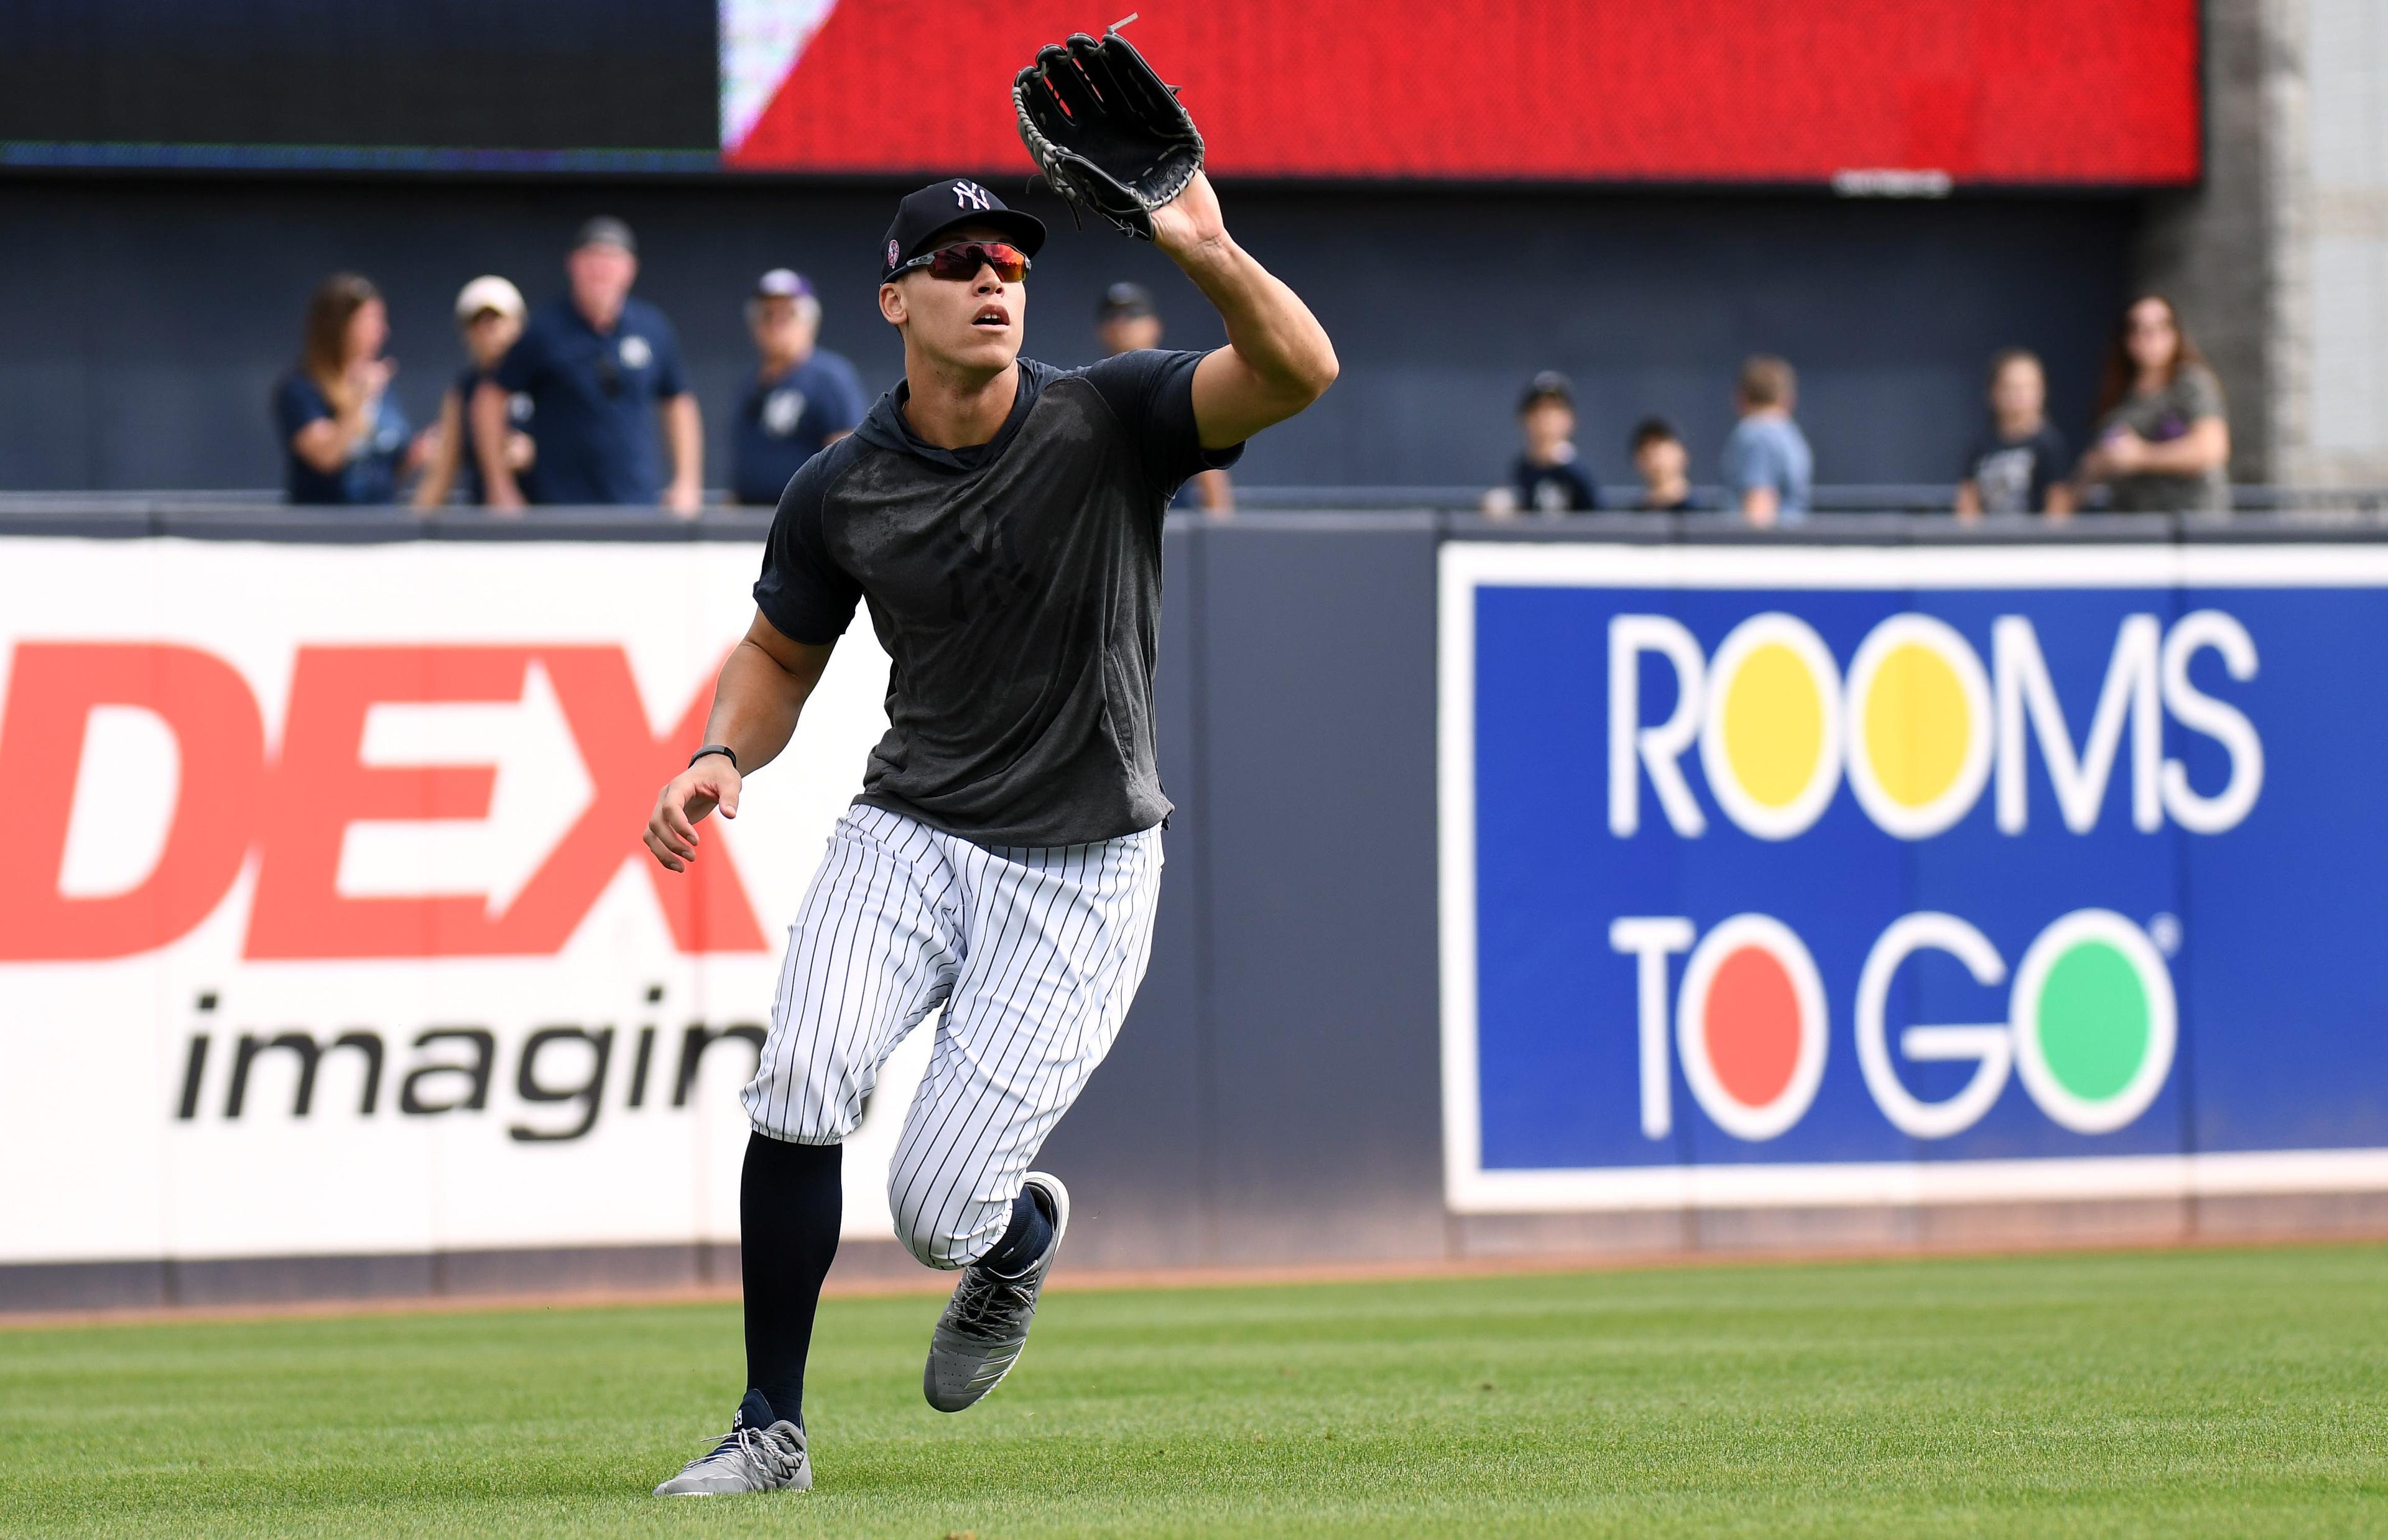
{"x":960,"y":263}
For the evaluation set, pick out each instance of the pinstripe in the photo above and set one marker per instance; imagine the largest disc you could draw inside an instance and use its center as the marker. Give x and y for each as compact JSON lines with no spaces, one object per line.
{"x":1035,"y":955}
{"x":968,"y":1121}
{"x":991,"y":1131}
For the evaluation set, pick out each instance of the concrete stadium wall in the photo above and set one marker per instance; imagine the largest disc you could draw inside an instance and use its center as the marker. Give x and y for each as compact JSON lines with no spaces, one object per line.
{"x":2280,"y":259}
{"x":1277,"y":1094}
{"x":147,"y":319}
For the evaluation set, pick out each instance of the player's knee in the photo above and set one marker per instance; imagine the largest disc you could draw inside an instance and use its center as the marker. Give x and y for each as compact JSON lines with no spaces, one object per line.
{"x":948,"y":1236}
{"x":929,"y":1241}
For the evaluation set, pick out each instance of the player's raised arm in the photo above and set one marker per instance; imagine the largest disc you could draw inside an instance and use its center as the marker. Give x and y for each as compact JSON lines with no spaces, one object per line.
{"x":1277,"y":360}
{"x":1112,"y":138}
{"x":764,"y":685}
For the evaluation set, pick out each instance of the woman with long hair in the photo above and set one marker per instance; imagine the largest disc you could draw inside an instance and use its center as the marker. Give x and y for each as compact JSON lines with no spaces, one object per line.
{"x":2162,"y":444}
{"x":347,"y":440}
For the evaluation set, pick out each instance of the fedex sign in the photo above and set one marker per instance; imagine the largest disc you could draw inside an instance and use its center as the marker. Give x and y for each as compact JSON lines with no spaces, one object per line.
{"x":293,"y":808}
{"x":1804,"y":875}
{"x":327,"y":926}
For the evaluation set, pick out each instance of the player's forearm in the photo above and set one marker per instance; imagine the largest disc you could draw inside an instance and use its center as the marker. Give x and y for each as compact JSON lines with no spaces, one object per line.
{"x":757,"y":700}
{"x":1277,"y":340}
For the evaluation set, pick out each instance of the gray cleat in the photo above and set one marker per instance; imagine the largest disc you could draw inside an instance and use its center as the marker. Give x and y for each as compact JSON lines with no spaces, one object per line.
{"x":986,"y":1324}
{"x":761,"y":1453}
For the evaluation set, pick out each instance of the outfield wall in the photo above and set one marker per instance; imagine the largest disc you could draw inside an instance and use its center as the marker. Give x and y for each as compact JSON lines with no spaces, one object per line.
{"x":1637,"y":889}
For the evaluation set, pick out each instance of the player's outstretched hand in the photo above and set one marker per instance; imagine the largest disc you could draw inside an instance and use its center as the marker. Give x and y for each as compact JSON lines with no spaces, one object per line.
{"x":682,"y":804}
{"x":1187,"y":222}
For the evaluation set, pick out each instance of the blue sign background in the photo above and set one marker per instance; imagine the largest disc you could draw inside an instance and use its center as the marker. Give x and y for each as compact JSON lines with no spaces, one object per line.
{"x":2283,"y":971}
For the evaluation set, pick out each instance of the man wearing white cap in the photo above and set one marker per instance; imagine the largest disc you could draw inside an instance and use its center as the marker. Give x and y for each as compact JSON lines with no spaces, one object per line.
{"x":802,"y":398}
{"x":490,"y":313}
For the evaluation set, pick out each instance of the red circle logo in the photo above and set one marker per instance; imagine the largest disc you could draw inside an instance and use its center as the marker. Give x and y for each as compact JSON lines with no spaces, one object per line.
{"x":1753,"y":1027}
{"x":1749,"y":1026}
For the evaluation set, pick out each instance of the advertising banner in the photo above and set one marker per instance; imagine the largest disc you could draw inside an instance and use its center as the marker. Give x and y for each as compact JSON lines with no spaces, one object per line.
{"x":325,"y":923}
{"x":1913,"y":95}
{"x":1811,"y":876}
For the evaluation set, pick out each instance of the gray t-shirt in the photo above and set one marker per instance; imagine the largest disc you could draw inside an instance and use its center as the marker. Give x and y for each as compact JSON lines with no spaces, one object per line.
{"x":1768,"y":451}
{"x":2193,"y":395}
{"x":1016,"y":586}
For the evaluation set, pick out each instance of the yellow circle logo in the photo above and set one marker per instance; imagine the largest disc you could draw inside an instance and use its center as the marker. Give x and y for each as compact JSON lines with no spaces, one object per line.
{"x":1773,"y":725}
{"x":1919,"y":726}
{"x":1771,"y":739}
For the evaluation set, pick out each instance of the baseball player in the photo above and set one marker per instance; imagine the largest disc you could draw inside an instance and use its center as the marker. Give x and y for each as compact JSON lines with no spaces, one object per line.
{"x":1001,"y":519}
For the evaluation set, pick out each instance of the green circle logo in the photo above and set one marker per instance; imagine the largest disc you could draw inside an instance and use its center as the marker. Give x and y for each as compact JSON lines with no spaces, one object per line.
{"x":2095,"y":1021}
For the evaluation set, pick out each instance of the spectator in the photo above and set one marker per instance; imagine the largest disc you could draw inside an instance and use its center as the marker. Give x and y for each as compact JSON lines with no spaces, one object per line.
{"x":1125,"y":322}
{"x":490,"y":313}
{"x":2017,"y":465}
{"x":1767,"y":462}
{"x":2161,"y":443}
{"x":1546,"y":478}
{"x":802,"y":398}
{"x":347,"y":440}
{"x":597,"y":365}
{"x":1664,"y":466}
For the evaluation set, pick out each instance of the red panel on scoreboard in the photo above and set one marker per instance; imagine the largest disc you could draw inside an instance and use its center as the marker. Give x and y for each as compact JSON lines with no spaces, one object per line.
{"x":2015,"y":92}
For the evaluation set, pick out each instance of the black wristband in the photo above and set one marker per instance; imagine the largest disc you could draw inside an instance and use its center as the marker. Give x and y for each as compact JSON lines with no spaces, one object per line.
{"x":722,"y":749}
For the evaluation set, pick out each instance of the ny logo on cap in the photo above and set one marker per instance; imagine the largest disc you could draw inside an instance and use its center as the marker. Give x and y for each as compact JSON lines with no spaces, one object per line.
{"x":970,"y":195}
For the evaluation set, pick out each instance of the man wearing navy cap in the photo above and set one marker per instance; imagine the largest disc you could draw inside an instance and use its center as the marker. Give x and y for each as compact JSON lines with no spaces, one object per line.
{"x":1548,"y":477}
{"x":802,"y":398}
{"x":1001,"y":519}
{"x":603,"y":372}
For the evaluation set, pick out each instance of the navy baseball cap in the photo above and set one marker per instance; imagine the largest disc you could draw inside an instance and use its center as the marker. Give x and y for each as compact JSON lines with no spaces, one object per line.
{"x":1124,"y":302}
{"x":1548,"y":386}
{"x":783,"y":283}
{"x":606,"y":230}
{"x":941,"y":205}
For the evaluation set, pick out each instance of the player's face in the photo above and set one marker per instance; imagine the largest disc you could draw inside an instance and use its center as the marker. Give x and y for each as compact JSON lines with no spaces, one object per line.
{"x":971,"y":327}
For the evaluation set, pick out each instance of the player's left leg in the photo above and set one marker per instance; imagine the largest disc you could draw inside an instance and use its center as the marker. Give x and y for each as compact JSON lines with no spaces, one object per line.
{"x":1056,"y":941}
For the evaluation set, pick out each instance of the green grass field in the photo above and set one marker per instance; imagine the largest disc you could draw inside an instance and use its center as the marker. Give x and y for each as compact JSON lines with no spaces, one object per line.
{"x":2163,"y":1394}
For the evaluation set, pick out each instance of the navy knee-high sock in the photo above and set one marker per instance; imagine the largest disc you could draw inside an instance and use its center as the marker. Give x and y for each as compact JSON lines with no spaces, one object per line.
{"x":1024,"y":1240}
{"x":790,"y":1201}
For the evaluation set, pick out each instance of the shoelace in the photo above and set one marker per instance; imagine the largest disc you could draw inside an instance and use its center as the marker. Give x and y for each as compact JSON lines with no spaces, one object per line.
{"x":774,"y":1458}
{"x":986,"y":1301}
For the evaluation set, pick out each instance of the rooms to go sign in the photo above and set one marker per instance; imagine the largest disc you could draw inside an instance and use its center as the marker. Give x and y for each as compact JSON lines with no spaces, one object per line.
{"x":1810,"y":873}
{"x":1917,"y":724}
{"x":2090,"y":1028}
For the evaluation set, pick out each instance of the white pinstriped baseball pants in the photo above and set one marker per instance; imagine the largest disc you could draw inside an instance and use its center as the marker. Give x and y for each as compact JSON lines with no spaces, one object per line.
{"x":1035,"y":953}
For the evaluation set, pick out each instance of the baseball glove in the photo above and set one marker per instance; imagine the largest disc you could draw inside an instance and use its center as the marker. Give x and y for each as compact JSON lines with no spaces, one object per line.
{"x":1106,"y":133}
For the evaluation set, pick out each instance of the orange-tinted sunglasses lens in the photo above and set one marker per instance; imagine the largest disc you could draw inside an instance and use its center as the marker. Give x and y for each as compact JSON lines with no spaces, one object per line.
{"x":960,"y":263}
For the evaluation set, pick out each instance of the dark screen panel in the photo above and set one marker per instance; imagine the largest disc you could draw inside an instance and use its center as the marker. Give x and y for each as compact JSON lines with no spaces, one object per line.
{"x":522,"y":75}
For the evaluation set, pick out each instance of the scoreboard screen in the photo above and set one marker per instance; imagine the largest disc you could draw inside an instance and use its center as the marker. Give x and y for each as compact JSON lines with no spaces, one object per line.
{"x":1892,"y":96}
